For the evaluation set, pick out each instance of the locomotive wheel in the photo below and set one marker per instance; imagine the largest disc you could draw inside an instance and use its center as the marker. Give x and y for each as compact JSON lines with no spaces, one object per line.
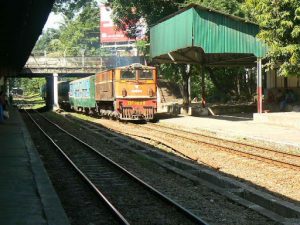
{"x":154,"y":120}
{"x":86,"y":111}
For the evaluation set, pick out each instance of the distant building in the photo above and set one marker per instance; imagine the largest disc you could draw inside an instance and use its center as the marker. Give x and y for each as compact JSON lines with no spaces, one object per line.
{"x":114,"y":40}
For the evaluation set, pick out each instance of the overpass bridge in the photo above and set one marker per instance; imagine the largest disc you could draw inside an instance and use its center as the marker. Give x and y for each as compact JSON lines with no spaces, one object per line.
{"x":54,"y":67}
{"x":41,"y":66}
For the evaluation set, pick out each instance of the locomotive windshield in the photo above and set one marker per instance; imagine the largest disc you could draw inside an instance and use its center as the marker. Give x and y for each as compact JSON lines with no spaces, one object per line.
{"x":128,"y":74}
{"x":145,"y":74}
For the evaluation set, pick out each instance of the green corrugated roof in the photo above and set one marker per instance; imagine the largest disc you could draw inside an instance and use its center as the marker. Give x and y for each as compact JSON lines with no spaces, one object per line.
{"x":200,"y":35}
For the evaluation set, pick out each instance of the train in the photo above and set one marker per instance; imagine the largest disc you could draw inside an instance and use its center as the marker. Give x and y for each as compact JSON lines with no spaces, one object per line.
{"x":124,"y":93}
{"x":17,"y":91}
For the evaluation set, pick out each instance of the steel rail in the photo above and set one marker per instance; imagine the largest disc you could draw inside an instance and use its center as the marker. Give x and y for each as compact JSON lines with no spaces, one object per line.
{"x":223,"y":148}
{"x":111,"y":130}
{"x":235,"y":151}
{"x":230,"y":141}
{"x":120,"y":217}
{"x":189,"y":214}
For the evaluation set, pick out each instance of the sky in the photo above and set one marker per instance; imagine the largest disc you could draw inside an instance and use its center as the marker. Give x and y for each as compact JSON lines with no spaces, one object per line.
{"x":53,"y":21}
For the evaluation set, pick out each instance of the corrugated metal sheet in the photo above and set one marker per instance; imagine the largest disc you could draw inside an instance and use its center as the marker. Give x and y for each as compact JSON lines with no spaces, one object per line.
{"x":104,"y":86}
{"x":213,"y":32}
{"x":82,"y":92}
{"x":216,"y":33}
{"x":172,"y":34}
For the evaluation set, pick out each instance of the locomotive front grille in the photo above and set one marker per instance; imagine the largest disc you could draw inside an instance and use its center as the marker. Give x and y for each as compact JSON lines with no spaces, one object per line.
{"x":149,"y":112}
{"x":130,"y":113}
{"x":127,"y":112}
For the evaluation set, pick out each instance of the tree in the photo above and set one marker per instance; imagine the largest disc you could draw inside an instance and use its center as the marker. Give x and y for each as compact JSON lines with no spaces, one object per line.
{"x":31,"y":85}
{"x":126,"y":14}
{"x":69,"y":8}
{"x":48,"y":36}
{"x":76,"y":35}
{"x":280,"y":30}
{"x":82,"y":34}
{"x":233,"y":7}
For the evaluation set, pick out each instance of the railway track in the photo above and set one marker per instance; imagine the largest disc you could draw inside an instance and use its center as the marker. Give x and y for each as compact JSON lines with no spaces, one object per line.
{"x":130,"y":199}
{"x":119,"y":136}
{"x":250,"y":151}
{"x":267,"y":155}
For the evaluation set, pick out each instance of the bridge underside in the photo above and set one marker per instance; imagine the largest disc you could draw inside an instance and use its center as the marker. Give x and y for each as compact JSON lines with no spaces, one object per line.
{"x":21,"y":24}
{"x":72,"y":72}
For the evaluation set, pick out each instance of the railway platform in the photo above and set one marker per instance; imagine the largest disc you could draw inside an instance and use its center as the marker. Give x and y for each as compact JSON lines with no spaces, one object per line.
{"x":244,"y":127}
{"x":26,"y":194}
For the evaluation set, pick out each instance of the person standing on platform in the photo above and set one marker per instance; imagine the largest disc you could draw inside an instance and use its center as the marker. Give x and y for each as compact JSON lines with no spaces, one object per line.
{"x":2,"y":105}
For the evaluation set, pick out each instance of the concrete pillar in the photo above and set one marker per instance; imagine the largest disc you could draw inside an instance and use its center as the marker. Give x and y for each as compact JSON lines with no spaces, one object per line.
{"x":55,"y":90}
{"x":259,"y":86}
{"x":49,"y":93}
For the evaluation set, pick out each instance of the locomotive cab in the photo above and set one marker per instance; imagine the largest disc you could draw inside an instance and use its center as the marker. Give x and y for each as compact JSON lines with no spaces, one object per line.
{"x":135,"y":92}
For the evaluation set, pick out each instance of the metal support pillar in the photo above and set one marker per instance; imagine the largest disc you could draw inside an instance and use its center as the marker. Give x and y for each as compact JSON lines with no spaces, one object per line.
{"x":188,"y":69}
{"x":55,"y":91}
{"x":259,"y":86}
{"x":189,"y":90}
{"x":203,"y":92}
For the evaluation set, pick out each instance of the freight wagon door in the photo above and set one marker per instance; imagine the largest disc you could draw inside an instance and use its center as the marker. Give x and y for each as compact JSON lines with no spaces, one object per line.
{"x":104,"y":86}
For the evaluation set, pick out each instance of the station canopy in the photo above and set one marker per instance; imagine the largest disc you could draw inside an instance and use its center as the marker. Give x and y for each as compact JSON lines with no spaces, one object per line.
{"x":21,"y":23}
{"x":199,"y":35}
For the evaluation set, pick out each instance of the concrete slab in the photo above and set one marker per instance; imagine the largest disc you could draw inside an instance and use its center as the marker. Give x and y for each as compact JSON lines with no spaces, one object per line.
{"x":232,"y":127}
{"x":26,"y":193}
{"x":286,"y":119}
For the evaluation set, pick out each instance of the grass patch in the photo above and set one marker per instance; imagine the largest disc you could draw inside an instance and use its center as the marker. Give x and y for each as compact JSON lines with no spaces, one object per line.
{"x":31,"y":101}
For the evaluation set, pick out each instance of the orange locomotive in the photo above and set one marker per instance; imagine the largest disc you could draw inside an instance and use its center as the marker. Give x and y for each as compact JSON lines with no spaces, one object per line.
{"x":127,"y":93}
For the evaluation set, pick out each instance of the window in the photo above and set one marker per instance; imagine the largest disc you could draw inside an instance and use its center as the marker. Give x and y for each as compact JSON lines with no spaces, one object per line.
{"x":145,"y":74}
{"x":128,"y":74}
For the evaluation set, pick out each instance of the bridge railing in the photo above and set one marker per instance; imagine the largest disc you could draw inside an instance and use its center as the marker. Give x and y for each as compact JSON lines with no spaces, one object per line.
{"x":64,"y":62}
{"x":75,"y":65}
{"x":81,"y":62}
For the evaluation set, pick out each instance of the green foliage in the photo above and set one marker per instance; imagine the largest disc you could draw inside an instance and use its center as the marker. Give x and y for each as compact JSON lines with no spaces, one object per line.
{"x":43,"y":43}
{"x":29,"y":85}
{"x":70,"y":8}
{"x":280,"y":29}
{"x":82,"y":34}
{"x":221,"y":84}
{"x":232,"y":7}
{"x":126,"y":14}
{"x":142,"y":47}
{"x":231,"y":84}
{"x":79,"y":34}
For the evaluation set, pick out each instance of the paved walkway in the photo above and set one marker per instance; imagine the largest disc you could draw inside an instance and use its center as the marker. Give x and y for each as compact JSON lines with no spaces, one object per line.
{"x":240,"y":127}
{"x":27,"y":196}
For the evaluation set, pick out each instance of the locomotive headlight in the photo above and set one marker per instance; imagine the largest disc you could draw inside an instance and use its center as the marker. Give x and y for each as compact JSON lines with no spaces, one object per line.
{"x":150,"y":92}
{"x":124,"y":92}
